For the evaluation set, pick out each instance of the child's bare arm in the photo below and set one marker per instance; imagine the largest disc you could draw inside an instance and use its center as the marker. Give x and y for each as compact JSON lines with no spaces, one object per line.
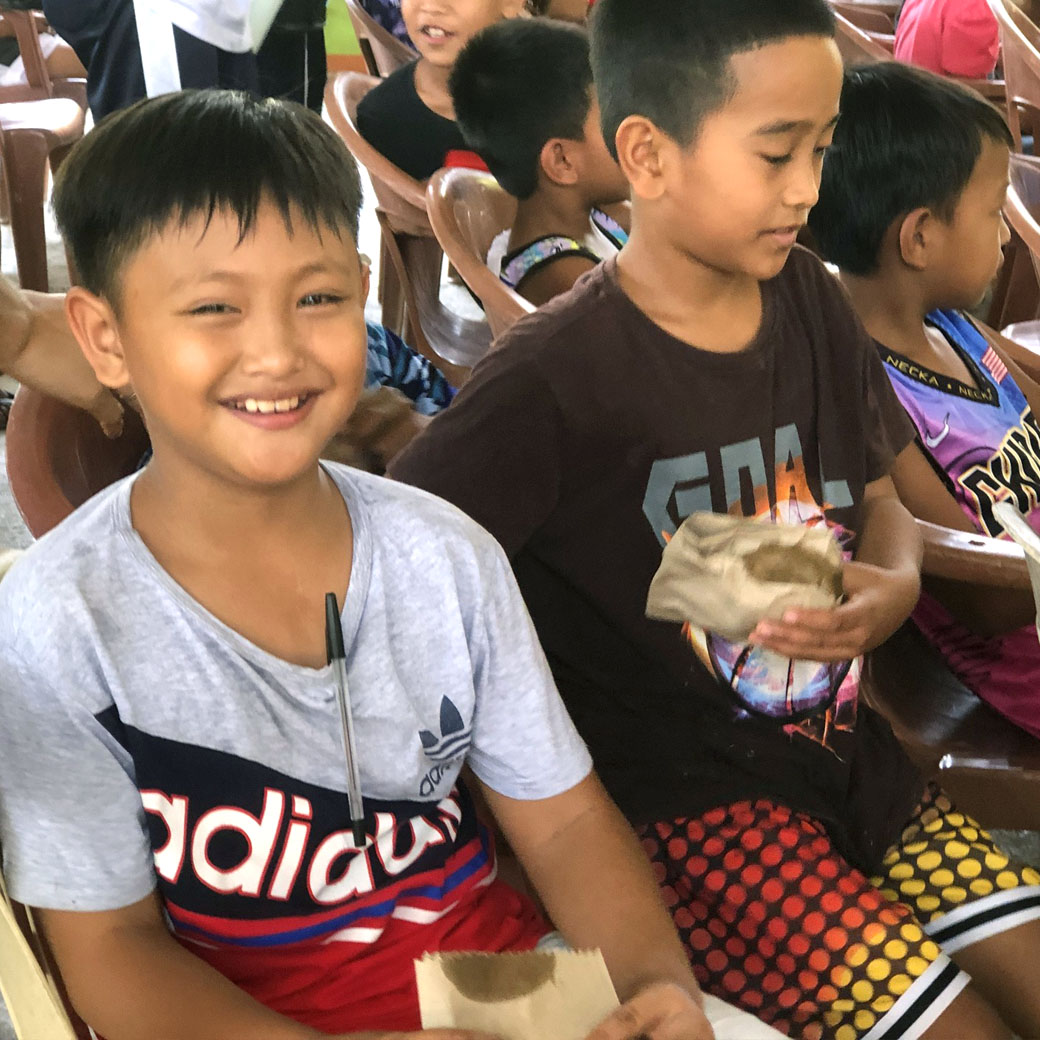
{"x":37,"y":348}
{"x":129,"y":979}
{"x":881,"y":588}
{"x":587,"y":867}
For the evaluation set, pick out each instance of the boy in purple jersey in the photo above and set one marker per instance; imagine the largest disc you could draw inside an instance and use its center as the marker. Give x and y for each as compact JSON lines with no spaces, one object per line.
{"x":913,"y":257}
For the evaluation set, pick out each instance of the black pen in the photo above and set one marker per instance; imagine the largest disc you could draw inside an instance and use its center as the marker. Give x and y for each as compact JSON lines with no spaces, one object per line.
{"x":337,"y":657}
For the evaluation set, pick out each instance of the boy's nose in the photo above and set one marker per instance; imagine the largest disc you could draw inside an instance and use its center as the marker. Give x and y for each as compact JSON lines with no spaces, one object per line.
{"x":1005,"y":231}
{"x":273,"y":345}
{"x":802,"y":190}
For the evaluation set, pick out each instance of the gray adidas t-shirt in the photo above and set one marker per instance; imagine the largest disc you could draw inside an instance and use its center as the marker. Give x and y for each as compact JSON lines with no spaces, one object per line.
{"x":119,"y":691}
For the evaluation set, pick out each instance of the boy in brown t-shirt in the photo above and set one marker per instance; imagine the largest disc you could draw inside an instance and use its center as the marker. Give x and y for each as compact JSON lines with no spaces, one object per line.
{"x":714,"y":366}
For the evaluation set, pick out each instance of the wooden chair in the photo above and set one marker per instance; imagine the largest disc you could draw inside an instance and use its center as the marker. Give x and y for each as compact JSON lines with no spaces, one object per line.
{"x":409,"y":248}
{"x":34,"y":134}
{"x":27,"y":26}
{"x":39,"y":123}
{"x":989,"y":766}
{"x":57,"y":457}
{"x":468,"y":209}
{"x":876,"y":22}
{"x":1020,"y":49}
{"x":383,"y":52}
{"x":856,"y":45}
{"x":1022,"y":211}
{"x":1015,"y":303}
{"x":859,"y":47}
{"x":36,"y":1000}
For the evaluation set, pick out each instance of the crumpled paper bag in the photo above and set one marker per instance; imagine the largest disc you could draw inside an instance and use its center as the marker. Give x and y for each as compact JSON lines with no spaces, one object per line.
{"x":724,"y":574}
{"x":540,"y":995}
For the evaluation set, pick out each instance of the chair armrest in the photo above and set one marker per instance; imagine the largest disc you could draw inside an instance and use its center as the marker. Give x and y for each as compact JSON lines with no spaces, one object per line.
{"x":972,"y":558}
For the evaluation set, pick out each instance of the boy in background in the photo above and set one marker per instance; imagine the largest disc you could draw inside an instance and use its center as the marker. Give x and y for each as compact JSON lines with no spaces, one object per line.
{"x":714,"y":366}
{"x":914,"y":258}
{"x":171,"y":762}
{"x":524,"y":100}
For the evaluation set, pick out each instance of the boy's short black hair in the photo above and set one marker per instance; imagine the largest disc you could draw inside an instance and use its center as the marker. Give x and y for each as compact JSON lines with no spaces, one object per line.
{"x":174,"y":157}
{"x":668,"y":60}
{"x":906,"y":139}
{"x":517,"y":84}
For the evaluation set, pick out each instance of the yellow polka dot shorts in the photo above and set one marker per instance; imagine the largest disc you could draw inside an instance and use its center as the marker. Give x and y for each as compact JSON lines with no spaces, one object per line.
{"x":962,"y":888}
{"x":777,"y":922}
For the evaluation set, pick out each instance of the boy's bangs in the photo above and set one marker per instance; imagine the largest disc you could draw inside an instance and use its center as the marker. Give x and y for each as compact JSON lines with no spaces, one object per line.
{"x":183,"y":156}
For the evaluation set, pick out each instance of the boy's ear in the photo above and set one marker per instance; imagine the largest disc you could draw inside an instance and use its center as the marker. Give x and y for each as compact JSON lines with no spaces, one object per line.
{"x":914,"y":236}
{"x":513,"y":8}
{"x":642,"y":154}
{"x":93,"y":323}
{"x":366,"y":277}
{"x":558,"y":159}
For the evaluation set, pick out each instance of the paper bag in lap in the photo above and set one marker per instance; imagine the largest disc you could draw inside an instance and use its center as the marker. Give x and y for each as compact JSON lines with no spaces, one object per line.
{"x":550,"y":995}
{"x":724,"y":574}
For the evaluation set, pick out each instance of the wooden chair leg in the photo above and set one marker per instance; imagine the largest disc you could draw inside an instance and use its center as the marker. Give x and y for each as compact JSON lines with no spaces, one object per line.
{"x":57,"y":157}
{"x":391,"y":293}
{"x":25,"y":154}
{"x":5,"y":202}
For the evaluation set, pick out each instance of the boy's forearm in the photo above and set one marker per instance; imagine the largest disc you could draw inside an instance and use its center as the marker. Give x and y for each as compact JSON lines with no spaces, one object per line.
{"x":140,"y":985}
{"x":15,"y":323}
{"x":598,"y":889}
{"x":889,"y":537}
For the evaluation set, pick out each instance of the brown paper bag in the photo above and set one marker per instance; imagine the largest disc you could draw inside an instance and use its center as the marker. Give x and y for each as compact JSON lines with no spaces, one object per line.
{"x":724,"y":574}
{"x":541,"y":995}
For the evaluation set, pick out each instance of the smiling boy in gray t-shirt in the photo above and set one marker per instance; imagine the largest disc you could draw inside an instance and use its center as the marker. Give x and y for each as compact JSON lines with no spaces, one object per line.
{"x":172,"y":773}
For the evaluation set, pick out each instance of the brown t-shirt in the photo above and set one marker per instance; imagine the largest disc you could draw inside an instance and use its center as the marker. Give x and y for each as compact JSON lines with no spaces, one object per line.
{"x":582,"y":442}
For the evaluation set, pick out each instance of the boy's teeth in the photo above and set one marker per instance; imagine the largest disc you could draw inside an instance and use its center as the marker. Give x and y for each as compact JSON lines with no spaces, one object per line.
{"x":287,"y":404}
{"x":437,"y":34}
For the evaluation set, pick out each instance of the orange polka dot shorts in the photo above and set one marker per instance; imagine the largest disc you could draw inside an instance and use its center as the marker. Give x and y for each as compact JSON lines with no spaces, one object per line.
{"x":777,"y":922}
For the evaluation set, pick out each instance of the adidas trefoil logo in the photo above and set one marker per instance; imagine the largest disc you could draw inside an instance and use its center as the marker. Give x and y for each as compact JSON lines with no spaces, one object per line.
{"x":454,"y":738}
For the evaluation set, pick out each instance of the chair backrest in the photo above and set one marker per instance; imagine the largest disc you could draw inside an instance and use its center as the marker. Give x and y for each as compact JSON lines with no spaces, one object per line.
{"x":453,"y":343}
{"x":875,"y":23}
{"x":869,"y":17}
{"x":856,"y":45}
{"x":1022,"y":208}
{"x":400,"y":197}
{"x":57,"y":457}
{"x":468,"y":209}
{"x":1020,"y":41}
{"x":859,"y":47}
{"x":383,"y":52}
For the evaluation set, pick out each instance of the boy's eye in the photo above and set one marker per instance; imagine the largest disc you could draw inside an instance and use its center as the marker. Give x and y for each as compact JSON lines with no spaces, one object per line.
{"x":211,"y":308}
{"x":316,"y":299}
{"x":822,"y":149}
{"x":778,"y":160}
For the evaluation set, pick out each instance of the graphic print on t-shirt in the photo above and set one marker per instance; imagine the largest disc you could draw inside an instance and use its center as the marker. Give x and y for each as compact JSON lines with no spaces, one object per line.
{"x":260,"y":877}
{"x":813,"y":699}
